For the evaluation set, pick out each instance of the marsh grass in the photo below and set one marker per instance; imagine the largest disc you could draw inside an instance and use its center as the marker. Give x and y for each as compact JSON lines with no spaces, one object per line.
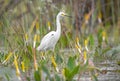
{"x":18,"y":38}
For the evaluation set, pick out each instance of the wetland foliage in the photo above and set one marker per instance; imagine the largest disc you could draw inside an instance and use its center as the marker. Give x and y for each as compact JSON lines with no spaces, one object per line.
{"x":88,"y":39}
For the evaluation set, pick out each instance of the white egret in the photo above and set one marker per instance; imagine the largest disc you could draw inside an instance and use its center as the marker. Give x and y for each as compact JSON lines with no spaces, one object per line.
{"x":49,"y":41}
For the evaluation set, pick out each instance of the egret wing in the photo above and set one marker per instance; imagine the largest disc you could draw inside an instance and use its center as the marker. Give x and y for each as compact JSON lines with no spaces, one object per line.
{"x":48,"y":41}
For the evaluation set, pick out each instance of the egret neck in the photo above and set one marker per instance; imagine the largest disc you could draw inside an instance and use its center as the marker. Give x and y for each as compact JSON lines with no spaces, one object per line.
{"x":58,"y":30}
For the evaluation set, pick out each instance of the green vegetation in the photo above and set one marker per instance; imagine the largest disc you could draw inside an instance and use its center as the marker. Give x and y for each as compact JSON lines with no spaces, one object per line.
{"x":87,"y":38}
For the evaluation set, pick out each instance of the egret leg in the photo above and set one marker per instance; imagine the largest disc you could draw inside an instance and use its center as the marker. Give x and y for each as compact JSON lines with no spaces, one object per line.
{"x":53,"y":52}
{"x":43,"y":56}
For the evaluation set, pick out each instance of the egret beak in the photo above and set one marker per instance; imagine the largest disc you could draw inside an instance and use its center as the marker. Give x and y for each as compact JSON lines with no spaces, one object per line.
{"x":67,"y":15}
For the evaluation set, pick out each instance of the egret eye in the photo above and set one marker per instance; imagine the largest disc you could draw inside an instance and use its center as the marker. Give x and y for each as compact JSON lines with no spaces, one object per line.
{"x":62,"y":14}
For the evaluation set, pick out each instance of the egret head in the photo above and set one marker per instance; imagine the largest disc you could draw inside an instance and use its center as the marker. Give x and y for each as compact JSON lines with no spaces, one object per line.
{"x":61,"y":14}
